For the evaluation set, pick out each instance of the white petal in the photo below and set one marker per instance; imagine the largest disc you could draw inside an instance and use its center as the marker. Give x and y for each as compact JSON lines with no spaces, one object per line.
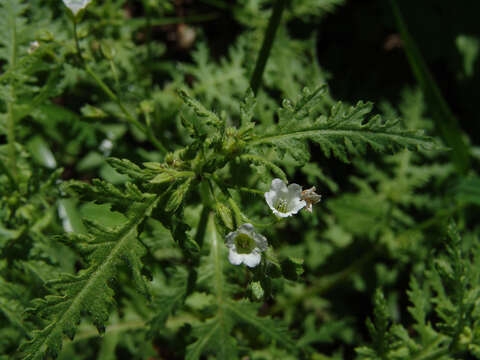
{"x":294,"y":190}
{"x":271,"y":198}
{"x":278,"y":186}
{"x":231,"y":239}
{"x":234,"y":257}
{"x":246,"y":229}
{"x":260,"y":241}
{"x":281,"y":214}
{"x":296,"y":205}
{"x":252,"y":259}
{"x":76,"y":5}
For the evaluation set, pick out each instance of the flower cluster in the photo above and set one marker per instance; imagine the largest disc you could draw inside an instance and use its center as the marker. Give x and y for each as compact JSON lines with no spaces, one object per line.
{"x":245,"y":245}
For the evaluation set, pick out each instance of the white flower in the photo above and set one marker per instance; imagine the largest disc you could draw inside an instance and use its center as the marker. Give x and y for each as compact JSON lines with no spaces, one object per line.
{"x":106,"y":147}
{"x":245,"y":246}
{"x":34,"y":45}
{"x":284,"y":201}
{"x":76,"y":5}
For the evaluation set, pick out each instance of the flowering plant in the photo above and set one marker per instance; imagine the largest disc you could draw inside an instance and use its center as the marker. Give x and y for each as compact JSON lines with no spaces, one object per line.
{"x":284,"y":201}
{"x":76,"y":6}
{"x":137,"y":152}
{"x":245,"y":246}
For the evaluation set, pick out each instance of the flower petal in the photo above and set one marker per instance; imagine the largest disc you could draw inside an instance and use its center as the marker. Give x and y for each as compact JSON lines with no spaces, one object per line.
{"x":246,"y":229}
{"x":260,"y":241}
{"x":271,"y":198}
{"x":252,"y":259}
{"x":231,"y":239}
{"x":296,"y":205}
{"x":234,"y":257}
{"x":76,"y":5}
{"x":294,"y":190}
{"x":278,"y":186}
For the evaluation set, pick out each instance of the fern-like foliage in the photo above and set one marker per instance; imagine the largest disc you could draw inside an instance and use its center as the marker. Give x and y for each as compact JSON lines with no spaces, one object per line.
{"x":347,"y":130}
{"x":104,"y":249}
{"x":214,"y":335}
{"x":450,"y":292}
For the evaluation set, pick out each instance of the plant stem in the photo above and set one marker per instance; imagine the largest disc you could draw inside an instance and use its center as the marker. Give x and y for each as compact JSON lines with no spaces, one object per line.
{"x":77,"y":43}
{"x":273,"y":24}
{"x":445,"y":122}
{"x":149,"y":31}
{"x":146,"y":130}
{"x":202,"y":225}
{"x":11,"y":139}
{"x":10,"y":111}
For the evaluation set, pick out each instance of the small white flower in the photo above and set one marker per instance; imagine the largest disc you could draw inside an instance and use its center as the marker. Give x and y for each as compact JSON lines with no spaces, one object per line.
{"x":76,"y":5}
{"x":106,"y":147}
{"x":34,"y":45}
{"x":245,"y":246}
{"x":284,"y":201}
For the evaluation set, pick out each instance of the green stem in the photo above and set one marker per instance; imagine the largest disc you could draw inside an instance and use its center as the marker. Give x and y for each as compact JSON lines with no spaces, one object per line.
{"x":146,"y":130}
{"x":202,"y":225}
{"x":11,"y":115}
{"x":445,"y":121}
{"x":152,"y":137}
{"x":273,"y":24}
{"x":11,"y":138}
{"x":115,"y":98}
{"x":148,"y":19}
{"x":77,"y":43}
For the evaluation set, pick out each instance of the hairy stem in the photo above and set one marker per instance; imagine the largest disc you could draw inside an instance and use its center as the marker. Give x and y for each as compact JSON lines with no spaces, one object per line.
{"x":273,"y":24}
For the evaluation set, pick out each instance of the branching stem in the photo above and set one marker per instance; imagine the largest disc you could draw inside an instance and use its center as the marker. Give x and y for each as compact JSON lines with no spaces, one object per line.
{"x":270,"y":32}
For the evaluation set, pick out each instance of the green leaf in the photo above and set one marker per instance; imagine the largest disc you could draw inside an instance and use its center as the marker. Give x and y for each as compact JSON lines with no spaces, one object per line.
{"x":347,"y":130}
{"x":201,"y":111}
{"x":245,"y":312}
{"x":224,"y":213}
{"x":213,"y":336}
{"x":41,"y":152}
{"x":292,"y":268}
{"x":177,"y":196}
{"x":89,"y":290}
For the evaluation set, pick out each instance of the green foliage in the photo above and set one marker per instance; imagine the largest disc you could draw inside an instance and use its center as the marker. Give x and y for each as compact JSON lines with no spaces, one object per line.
{"x":132,"y":149}
{"x":103,"y":249}
{"x":450,"y":292}
{"x":347,"y":130}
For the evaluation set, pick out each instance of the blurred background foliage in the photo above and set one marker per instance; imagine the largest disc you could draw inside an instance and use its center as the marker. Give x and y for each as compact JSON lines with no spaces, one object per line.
{"x":382,"y":221}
